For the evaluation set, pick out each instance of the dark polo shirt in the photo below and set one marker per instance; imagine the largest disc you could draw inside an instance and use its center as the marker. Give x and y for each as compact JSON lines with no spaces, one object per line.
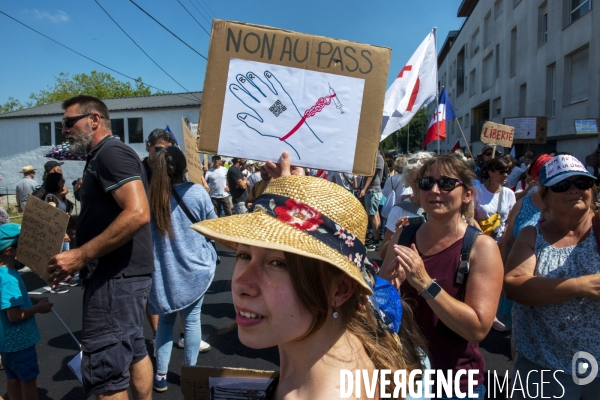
{"x":111,"y":164}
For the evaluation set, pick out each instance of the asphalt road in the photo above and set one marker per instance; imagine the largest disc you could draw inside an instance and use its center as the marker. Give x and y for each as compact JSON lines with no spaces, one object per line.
{"x":57,"y":348}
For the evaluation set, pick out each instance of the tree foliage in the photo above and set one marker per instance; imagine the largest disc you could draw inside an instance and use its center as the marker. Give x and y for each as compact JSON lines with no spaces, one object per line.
{"x":98,"y":84}
{"x":418,"y":128}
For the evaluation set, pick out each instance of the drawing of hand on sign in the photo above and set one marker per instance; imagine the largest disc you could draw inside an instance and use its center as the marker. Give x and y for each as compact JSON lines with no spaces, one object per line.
{"x":272,"y":113}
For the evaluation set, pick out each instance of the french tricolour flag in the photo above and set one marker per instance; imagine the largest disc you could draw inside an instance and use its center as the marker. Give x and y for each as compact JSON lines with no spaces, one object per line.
{"x":444,"y":113}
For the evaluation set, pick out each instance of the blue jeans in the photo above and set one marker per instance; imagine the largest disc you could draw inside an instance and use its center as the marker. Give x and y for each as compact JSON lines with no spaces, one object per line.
{"x":164,"y":336}
{"x":239,"y":208}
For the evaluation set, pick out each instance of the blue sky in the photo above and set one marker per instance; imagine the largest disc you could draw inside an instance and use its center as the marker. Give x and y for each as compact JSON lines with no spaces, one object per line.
{"x":29,"y":61}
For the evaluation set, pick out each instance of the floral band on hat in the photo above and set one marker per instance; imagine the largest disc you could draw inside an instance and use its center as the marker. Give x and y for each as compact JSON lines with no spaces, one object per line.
{"x":305,"y":218}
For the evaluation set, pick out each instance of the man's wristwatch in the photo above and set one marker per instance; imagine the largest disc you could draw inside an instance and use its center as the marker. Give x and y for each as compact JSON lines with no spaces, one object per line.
{"x":431,"y":290}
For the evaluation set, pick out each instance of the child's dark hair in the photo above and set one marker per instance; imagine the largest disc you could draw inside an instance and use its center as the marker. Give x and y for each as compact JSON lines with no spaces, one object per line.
{"x":170,"y":165}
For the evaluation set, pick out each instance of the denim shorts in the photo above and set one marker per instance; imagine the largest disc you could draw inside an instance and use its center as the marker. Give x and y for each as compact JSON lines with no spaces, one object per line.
{"x":372,"y":200}
{"x":113,"y":336}
{"x":22,"y":364}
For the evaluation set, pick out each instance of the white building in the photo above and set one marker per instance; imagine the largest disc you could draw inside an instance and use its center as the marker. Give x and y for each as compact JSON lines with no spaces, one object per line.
{"x":27,"y":135}
{"x":515,"y":58}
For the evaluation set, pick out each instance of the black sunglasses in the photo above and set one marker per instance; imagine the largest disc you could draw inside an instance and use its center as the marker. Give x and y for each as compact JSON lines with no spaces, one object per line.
{"x":488,"y":154}
{"x":68,"y":122}
{"x":158,"y":149}
{"x":579,"y":183}
{"x":444,"y":184}
{"x":502,"y":171}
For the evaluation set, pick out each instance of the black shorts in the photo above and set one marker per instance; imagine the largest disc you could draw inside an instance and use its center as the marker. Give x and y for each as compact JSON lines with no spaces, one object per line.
{"x":113,"y":335}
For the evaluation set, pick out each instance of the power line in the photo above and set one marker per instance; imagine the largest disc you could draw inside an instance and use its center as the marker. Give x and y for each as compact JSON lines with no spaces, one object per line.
{"x":200,"y":12}
{"x":194,"y":18}
{"x":207,"y":13}
{"x":167,"y":29}
{"x":206,"y":4}
{"x":86,"y":57}
{"x":147,"y":55}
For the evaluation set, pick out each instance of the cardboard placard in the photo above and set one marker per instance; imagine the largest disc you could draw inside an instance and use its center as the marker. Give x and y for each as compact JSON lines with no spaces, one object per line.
{"x":42,"y":233}
{"x":500,"y":135}
{"x":528,"y":129}
{"x":195,"y":380}
{"x":267,"y":90}
{"x":194,"y":166}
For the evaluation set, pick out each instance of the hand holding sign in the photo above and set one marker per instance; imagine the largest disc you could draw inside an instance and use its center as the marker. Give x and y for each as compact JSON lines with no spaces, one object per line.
{"x":273,"y":112}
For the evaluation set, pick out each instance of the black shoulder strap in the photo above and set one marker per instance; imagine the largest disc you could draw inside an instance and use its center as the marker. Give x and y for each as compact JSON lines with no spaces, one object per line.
{"x":183,"y":206}
{"x":468,"y":241}
{"x":407,"y":234}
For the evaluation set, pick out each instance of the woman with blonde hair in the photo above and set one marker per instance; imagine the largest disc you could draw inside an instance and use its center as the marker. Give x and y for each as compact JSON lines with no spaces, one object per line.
{"x":301,"y":282}
{"x":452,"y":274}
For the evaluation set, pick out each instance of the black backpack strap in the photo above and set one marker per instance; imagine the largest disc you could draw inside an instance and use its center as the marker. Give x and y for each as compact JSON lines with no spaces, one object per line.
{"x":468,"y":241}
{"x":183,"y":206}
{"x":407,"y":234}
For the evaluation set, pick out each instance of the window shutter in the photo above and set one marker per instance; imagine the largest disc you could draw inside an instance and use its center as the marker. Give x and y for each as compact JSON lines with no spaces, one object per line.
{"x":579,"y":75}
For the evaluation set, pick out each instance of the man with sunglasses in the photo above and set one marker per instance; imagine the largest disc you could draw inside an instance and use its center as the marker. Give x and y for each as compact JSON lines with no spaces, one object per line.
{"x":484,"y":157}
{"x":114,"y":256}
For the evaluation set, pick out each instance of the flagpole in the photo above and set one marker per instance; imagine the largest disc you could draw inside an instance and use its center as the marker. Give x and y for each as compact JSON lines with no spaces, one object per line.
{"x":437,"y":97}
{"x":463,"y":135}
{"x":407,"y":137}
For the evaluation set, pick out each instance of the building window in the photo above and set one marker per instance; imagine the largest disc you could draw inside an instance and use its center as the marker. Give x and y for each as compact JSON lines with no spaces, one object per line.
{"x":45,"y":134}
{"x":578,"y":8}
{"x":542,"y":24}
{"x":59,"y":138}
{"x":487,"y":38}
{"x":136,"y":130}
{"x":578,"y":75}
{"x":488,"y":73}
{"x":497,"y":66}
{"x":460,"y":72}
{"x":523,"y":100}
{"x":498,"y":6}
{"x":551,"y":91}
{"x":475,"y":43}
{"x":472,"y":78}
{"x":117,"y":125}
{"x":497,"y":107}
{"x":466,"y":120}
{"x":513,"y":52}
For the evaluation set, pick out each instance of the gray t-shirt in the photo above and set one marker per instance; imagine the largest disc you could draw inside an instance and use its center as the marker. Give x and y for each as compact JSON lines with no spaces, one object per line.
{"x":216,"y":178}
{"x":376,"y":182}
{"x":24,"y":188}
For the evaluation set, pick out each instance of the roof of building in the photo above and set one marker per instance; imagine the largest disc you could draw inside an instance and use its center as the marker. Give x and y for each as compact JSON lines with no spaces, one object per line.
{"x":446,"y":46}
{"x":192,"y":99}
{"x":466,"y":8}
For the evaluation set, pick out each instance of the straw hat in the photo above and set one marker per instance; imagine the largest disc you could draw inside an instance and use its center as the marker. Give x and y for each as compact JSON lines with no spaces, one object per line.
{"x":304,"y":215}
{"x":26,"y":169}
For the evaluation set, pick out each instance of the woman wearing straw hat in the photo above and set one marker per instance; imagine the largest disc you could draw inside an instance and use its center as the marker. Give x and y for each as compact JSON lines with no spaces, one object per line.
{"x":301,"y":283}
{"x":455,"y":307}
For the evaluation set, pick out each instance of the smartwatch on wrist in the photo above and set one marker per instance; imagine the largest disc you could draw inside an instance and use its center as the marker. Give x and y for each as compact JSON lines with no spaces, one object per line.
{"x":431,"y":290}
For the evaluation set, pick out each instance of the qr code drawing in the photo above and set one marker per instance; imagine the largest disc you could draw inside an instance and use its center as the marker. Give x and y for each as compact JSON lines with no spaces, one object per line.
{"x":277,"y":108}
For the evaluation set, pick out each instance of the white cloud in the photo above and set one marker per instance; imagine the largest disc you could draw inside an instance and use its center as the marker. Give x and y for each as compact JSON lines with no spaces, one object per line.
{"x":58,"y":16}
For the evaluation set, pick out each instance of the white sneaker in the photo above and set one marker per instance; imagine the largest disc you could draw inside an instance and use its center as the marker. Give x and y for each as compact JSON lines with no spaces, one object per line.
{"x":181,"y":341}
{"x":204,"y":347}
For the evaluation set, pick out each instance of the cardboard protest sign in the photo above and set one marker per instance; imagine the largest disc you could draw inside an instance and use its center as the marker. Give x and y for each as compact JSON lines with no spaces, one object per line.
{"x":500,"y":135}
{"x":528,"y":129}
{"x":195,"y":381}
{"x":42,"y":233}
{"x":194,"y":166}
{"x":268,"y":90}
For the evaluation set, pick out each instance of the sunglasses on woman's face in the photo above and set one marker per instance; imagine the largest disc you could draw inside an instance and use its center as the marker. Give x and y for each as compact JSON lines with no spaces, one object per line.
{"x":579,"y":183}
{"x":502,"y":171}
{"x":444,"y":184}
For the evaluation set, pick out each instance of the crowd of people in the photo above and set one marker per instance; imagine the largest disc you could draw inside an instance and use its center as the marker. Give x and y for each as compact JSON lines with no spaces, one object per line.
{"x":466,"y":245}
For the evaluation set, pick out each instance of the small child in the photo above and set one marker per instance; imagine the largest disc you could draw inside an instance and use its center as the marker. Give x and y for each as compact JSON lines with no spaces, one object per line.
{"x":18,"y":330}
